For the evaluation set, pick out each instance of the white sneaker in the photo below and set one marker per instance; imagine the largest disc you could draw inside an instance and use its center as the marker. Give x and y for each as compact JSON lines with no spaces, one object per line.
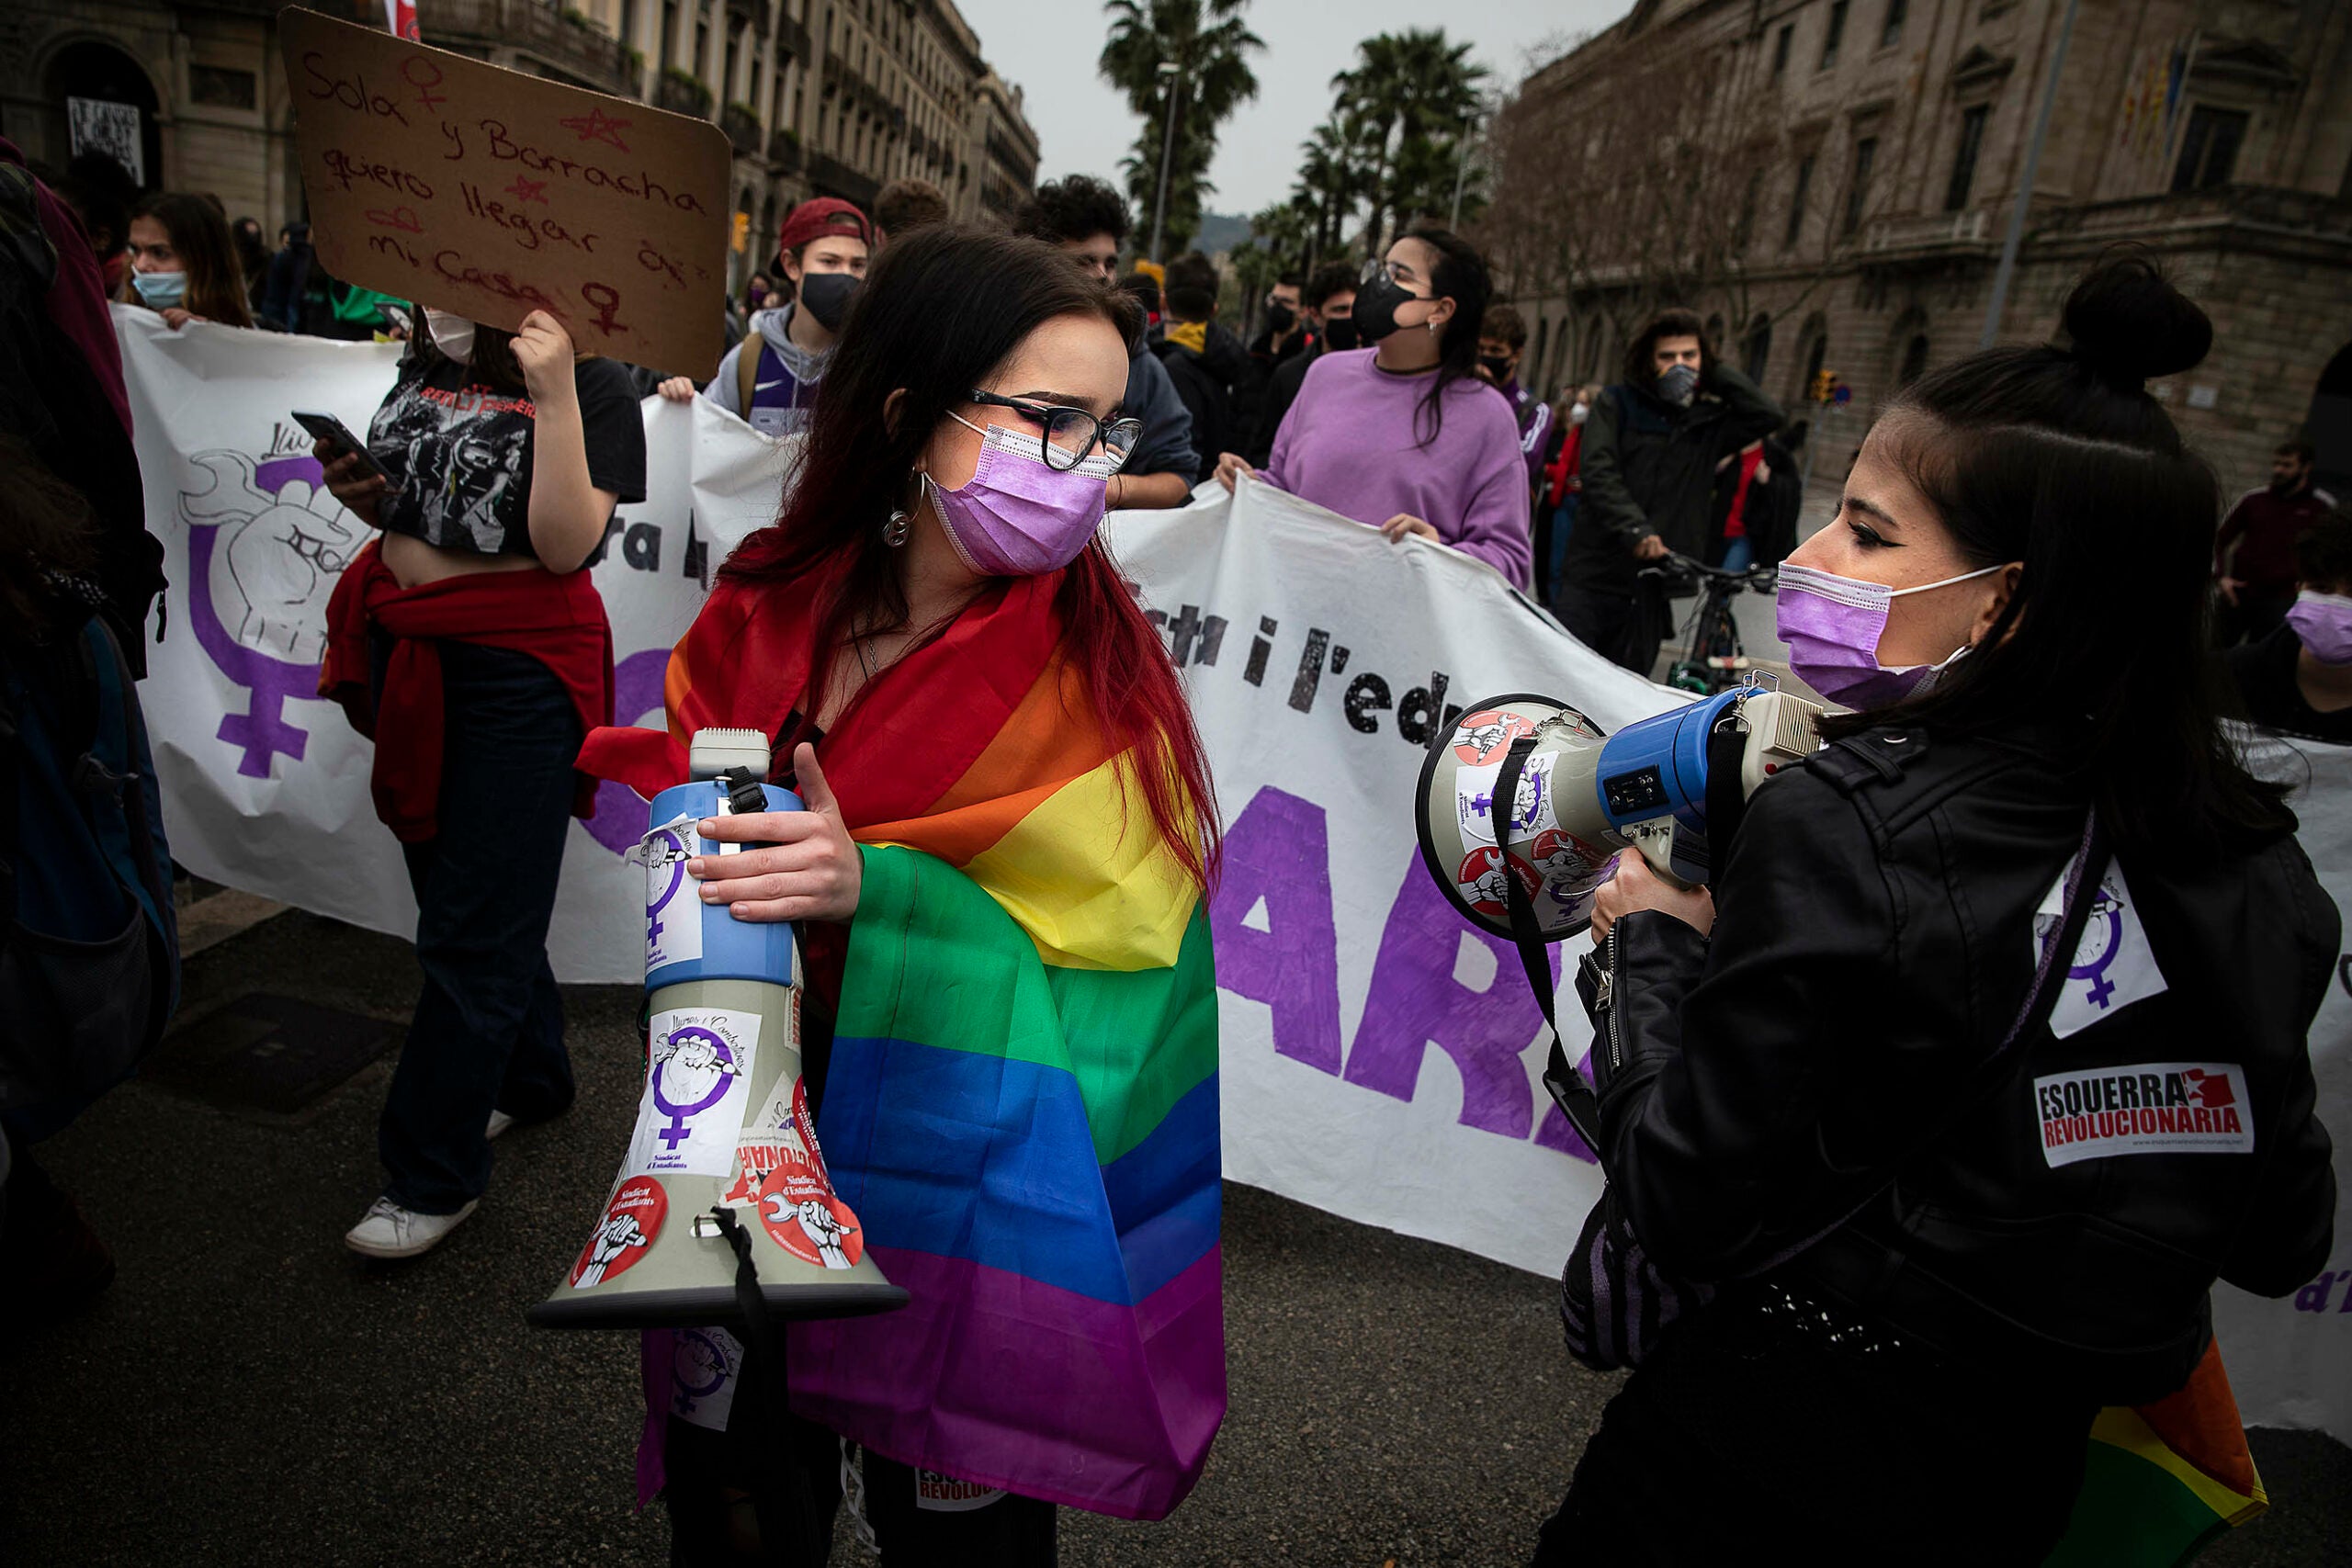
{"x":387,"y":1230}
{"x":499,"y":1123}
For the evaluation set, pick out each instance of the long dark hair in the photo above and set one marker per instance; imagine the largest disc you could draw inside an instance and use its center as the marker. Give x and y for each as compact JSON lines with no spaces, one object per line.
{"x":1460,"y":275}
{"x":46,"y":534}
{"x":1641,"y":362}
{"x":199,"y":234}
{"x":942,"y":309}
{"x":2058,"y":457}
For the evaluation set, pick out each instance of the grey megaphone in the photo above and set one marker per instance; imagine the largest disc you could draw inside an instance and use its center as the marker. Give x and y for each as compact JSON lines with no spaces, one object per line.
{"x":723,"y":1172}
{"x":1580,"y":796}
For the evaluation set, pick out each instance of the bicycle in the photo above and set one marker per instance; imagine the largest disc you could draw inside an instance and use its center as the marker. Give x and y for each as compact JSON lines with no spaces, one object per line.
{"x":1714,"y":658}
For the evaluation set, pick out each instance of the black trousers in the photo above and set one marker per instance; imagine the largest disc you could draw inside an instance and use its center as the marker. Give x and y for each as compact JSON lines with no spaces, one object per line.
{"x":1740,"y":1439}
{"x":488,"y":1030}
{"x":718,"y":1482}
{"x":1624,"y":628}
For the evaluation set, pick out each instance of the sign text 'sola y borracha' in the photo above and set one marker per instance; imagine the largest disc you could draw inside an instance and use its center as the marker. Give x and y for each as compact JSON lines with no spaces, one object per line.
{"x":491,"y":193}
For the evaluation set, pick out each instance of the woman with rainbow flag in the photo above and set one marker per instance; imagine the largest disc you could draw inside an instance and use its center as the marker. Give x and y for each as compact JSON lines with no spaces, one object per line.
{"x":1011,"y":1023}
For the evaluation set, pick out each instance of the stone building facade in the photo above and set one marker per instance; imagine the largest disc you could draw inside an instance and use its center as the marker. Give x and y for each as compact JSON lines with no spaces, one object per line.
{"x":818,"y":98}
{"x":1841,"y":198}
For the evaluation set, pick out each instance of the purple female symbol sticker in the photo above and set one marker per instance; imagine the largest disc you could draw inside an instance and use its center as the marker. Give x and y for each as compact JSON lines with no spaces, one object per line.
{"x":697,"y":1086}
{"x":672,"y":923}
{"x":702,"y":1069}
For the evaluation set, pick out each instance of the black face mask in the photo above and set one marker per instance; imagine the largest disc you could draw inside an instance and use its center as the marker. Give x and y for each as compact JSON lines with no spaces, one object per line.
{"x":1339,"y":335}
{"x":1377,"y":306}
{"x":827,"y":296}
{"x":1279,"y":318}
{"x":1497,"y":368}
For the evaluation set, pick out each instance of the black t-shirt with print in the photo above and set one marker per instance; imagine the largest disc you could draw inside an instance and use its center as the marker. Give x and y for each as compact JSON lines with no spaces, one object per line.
{"x":461,"y":452}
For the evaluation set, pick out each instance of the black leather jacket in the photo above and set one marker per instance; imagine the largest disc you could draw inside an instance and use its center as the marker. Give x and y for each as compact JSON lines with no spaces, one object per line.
{"x":1873,"y":943}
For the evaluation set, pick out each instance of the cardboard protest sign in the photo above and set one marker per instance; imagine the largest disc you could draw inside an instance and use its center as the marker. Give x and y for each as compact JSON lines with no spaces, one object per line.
{"x":492,"y":194}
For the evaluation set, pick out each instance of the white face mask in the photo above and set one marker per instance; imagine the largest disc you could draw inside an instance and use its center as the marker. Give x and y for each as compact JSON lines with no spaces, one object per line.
{"x":453,"y":335}
{"x":1576,"y":414}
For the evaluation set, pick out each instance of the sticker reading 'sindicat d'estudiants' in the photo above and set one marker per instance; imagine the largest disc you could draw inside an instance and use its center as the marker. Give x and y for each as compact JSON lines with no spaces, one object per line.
{"x":632,"y":1223}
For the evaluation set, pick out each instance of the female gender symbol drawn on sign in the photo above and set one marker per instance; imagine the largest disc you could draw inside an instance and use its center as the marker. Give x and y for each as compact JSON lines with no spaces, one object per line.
{"x":705,"y":1066}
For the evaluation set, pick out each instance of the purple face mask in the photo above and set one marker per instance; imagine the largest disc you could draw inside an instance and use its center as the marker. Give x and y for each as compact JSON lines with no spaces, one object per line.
{"x":2323,"y":623}
{"x":1016,"y":517}
{"x":1832,"y":626}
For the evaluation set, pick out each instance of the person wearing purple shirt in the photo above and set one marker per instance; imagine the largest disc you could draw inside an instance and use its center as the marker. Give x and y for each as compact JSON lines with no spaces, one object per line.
{"x":1404,"y":436}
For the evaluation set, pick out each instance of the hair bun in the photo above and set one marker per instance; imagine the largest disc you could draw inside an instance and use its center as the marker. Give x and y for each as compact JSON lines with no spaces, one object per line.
{"x":2129,"y":325}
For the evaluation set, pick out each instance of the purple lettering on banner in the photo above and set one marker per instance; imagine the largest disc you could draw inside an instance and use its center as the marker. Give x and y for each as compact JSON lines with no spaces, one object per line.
{"x":1278,"y":849}
{"x":620,"y":821}
{"x":1414,"y":999}
{"x":1554,"y":1133}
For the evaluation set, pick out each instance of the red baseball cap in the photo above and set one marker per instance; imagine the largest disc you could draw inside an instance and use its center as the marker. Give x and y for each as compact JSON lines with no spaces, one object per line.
{"x":825,"y":215}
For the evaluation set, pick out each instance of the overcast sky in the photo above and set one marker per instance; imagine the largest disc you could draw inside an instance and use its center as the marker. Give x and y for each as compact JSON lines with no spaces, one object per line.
{"x":1084,"y":127}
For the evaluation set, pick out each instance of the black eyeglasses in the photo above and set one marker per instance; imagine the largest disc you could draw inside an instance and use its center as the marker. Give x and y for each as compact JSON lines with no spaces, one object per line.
{"x":1072,"y":434}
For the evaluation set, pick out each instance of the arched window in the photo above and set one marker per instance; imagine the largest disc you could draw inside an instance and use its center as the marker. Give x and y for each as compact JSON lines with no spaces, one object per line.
{"x":120,"y":116}
{"x":1914,"y":361}
{"x":1755,"y":351}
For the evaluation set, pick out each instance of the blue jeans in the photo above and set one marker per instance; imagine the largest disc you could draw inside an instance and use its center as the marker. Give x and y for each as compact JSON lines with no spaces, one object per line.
{"x":488,"y":1030}
{"x":1739,"y":554}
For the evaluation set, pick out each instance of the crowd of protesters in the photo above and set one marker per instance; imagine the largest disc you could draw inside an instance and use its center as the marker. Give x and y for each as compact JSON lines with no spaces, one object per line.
{"x":944,"y":525}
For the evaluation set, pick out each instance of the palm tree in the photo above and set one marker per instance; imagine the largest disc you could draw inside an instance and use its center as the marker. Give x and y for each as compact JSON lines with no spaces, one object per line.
{"x":1411,"y":90}
{"x":1208,"y":44}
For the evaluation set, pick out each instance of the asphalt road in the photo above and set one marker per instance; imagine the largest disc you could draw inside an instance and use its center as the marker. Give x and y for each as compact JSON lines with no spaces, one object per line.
{"x":249,"y":1393}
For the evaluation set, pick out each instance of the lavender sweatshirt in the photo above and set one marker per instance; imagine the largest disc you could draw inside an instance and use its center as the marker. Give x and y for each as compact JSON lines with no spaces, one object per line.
{"x":1349,"y":442}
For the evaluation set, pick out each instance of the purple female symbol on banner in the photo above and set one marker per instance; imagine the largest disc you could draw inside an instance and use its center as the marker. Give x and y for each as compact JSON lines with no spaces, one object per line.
{"x":703,"y":1059}
{"x":265,"y":547}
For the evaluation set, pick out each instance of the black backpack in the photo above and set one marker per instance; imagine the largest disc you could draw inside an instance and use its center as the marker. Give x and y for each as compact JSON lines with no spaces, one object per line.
{"x":89,"y":947}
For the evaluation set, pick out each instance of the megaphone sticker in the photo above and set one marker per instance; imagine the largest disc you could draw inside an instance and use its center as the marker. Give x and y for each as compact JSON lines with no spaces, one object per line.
{"x":1531,"y":808}
{"x":1484,"y":737}
{"x":1481,"y":881}
{"x":695,"y":1089}
{"x":632,"y":1221}
{"x":802,"y":1216}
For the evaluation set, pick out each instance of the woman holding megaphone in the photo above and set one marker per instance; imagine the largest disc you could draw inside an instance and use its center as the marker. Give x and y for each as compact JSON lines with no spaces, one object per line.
{"x":1985,"y":1056}
{"x":1010,"y":1024}
{"x":470,"y":643}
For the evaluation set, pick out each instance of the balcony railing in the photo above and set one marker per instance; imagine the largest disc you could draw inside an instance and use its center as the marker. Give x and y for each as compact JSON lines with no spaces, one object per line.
{"x":783,"y":151}
{"x":682,"y":94}
{"x":792,"y":38}
{"x":742,"y":126}
{"x":584,"y":53}
{"x":832,"y":175}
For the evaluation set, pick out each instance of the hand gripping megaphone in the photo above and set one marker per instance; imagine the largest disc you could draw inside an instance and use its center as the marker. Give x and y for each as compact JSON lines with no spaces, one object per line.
{"x":1526,"y":803}
{"x":722,"y":1210}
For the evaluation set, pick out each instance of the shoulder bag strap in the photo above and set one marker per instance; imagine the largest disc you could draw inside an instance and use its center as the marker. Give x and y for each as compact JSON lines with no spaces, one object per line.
{"x":1567,"y":1087}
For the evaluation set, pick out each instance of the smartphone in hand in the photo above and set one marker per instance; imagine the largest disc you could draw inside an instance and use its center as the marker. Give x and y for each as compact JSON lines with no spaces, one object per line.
{"x":327,"y":428}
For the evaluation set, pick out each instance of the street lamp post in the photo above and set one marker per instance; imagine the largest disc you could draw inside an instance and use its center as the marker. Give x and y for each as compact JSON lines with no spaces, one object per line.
{"x":1173,"y":75}
{"x":1462,"y":168}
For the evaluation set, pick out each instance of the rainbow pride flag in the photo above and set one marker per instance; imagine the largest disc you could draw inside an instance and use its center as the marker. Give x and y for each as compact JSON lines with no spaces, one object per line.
{"x":2163,"y":1480}
{"x":1020,"y":1103}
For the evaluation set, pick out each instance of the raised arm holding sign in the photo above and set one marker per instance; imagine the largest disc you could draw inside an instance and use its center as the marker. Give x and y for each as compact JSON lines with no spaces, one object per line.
{"x":491,"y":193}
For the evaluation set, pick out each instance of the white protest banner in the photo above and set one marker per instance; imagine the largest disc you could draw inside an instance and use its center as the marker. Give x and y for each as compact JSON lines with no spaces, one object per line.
{"x":1379,"y":1055}
{"x":2291,"y":1360}
{"x":264,"y":786}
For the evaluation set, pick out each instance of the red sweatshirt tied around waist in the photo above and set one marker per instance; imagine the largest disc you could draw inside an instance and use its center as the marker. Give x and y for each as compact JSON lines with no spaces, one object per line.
{"x":557,"y":620}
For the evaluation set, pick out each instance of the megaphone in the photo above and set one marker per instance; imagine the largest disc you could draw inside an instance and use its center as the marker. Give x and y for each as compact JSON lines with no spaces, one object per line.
{"x":723,"y":1188}
{"x":1578,"y":797}
{"x":1525,"y":805}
